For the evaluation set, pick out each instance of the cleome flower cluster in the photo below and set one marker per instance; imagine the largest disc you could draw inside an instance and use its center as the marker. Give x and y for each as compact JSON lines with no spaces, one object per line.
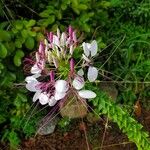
{"x":49,"y":83}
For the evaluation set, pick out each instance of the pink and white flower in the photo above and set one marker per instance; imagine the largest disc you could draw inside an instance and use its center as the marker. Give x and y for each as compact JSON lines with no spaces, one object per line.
{"x":90,"y":50}
{"x":47,"y":92}
{"x":78,"y":84}
{"x":40,"y":60}
{"x":53,"y":52}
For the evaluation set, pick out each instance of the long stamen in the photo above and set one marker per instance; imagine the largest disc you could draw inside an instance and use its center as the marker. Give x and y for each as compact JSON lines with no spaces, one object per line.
{"x":51,"y":37}
{"x":72,"y":65}
{"x":70,"y":30}
{"x":41,"y":47}
{"x":52,"y":75}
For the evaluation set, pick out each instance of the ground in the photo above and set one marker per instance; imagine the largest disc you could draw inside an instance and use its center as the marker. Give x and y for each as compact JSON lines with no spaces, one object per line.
{"x":83,"y":134}
{"x":95,"y":133}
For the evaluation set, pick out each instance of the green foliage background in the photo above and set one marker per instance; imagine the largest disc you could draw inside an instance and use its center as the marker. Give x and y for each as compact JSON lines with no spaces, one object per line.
{"x":122,"y":29}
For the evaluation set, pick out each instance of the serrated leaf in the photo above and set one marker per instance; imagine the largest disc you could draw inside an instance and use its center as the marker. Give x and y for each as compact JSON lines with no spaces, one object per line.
{"x":13,"y":139}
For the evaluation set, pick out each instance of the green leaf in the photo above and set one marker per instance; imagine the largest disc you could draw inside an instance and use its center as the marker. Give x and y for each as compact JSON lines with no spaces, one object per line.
{"x":82,"y":6}
{"x":21,"y":97}
{"x":40,"y":36}
{"x":51,"y":19}
{"x":30,"y":23}
{"x":5,"y":35}
{"x":8,"y":78}
{"x":17,"y":61}
{"x":18,"y":25}
{"x":29,"y":43}
{"x":24,"y":33}
{"x":17,"y":58}
{"x":18,"y":43}
{"x":3,"y":51}
{"x":1,"y":66}
{"x":32,"y":33}
{"x":20,"y":53}
{"x":4,"y":24}
{"x":13,"y":139}
{"x":2,"y":118}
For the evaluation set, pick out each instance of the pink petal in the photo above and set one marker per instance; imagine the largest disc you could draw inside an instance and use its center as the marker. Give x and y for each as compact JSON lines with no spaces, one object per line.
{"x":92,"y":73}
{"x":78,"y":83}
{"x":87,"y":94}
{"x":61,"y":86}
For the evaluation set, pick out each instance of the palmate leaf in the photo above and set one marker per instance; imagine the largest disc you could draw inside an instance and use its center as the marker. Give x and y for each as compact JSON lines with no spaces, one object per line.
{"x":126,"y":123}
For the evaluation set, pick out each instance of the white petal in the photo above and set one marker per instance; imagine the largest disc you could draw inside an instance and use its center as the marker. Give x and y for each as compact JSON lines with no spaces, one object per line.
{"x":55,"y":61}
{"x":58,"y":33}
{"x":36,"y":96}
{"x":49,"y":56}
{"x":80,"y":72}
{"x":58,"y":53}
{"x":87,"y":94}
{"x":35,"y":69}
{"x":52,"y":101}
{"x":30,"y":79}
{"x":63,"y":39}
{"x":36,"y":75}
{"x":92,"y":73}
{"x":59,"y":96}
{"x":71,"y":49}
{"x":46,"y":46}
{"x":37,"y":56}
{"x":32,"y":86}
{"x":86,"y":49}
{"x":93,"y":48}
{"x":43,"y":98}
{"x":74,"y":37}
{"x":61,"y":86}
{"x":56,"y":40}
{"x":86,"y":58}
{"x":78,"y":83}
